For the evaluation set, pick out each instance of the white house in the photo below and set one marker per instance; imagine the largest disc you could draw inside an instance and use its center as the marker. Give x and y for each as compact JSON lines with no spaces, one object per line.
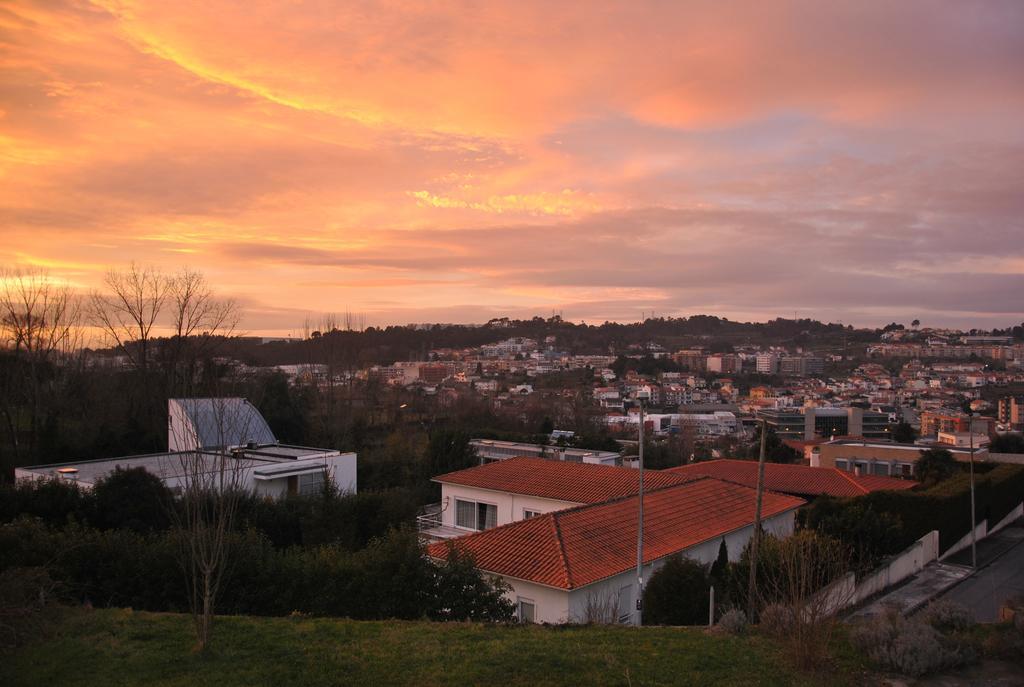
{"x":501,"y":492}
{"x":578,"y":565}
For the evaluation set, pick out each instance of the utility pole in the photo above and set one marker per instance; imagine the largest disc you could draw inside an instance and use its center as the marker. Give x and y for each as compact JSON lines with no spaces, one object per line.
{"x":640,"y":527}
{"x":752,"y":585}
{"x":974,"y":532}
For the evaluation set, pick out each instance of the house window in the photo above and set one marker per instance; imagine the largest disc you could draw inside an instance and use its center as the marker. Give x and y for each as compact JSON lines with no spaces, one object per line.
{"x":527,"y":611}
{"x":527,"y":514}
{"x":475,"y":516}
{"x":312,"y":483}
{"x":841,"y":464}
{"x":881,"y":469}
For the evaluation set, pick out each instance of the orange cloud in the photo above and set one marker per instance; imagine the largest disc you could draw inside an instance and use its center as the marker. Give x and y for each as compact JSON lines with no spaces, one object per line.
{"x":520,"y":154}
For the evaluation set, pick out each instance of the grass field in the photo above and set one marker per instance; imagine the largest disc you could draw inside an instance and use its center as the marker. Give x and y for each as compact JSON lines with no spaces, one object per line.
{"x":122,"y":647}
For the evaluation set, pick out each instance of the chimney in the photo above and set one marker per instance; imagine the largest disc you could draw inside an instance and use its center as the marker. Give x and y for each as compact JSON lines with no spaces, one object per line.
{"x":68,"y":474}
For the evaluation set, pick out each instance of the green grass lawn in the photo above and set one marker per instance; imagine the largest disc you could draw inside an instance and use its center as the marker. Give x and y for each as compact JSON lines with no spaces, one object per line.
{"x":122,"y":647}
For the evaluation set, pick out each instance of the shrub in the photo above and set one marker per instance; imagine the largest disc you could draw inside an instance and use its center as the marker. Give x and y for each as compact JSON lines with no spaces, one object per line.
{"x":935,"y":465}
{"x":871,"y":634}
{"x":777,"y":619}
{"x":53,"y":500}
{"x":24,"y":595}
{"x":678,"y":594}
{"x":733,"y":622}
{"x":947,"y":616}
{"x":134,"y":499}
{"x":915,"y":651}
{"x":463,"y":593}
{"x":909,"y":647}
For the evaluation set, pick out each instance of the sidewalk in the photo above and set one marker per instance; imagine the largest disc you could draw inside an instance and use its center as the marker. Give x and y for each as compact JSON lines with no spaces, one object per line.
{"x":938,"y":578}
{"x":935,"y":579}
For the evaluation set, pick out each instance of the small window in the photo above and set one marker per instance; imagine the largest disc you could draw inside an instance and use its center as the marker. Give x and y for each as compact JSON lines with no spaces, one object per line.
{"x":841,"y":464}
{"x":527,"y":611}
{"x":527,"y":514}
{"x":311,"y":484}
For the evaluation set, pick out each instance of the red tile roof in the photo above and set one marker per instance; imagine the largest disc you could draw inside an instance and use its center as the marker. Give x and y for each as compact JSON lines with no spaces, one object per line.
{"x":572,"y":548}
{"x":794,"y":479}
{"x":561,"y":480}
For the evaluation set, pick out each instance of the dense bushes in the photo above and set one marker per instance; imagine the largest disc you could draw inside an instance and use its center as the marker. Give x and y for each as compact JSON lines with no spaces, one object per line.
{"x":136,"y":500}
{"x":911,"y":646}
{"x":886,"y":522}
{"x":390,"y":578}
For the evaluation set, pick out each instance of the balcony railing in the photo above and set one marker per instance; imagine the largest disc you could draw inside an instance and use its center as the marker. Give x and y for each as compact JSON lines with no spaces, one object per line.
{"x":429,"y":517}
{"x":430,"y":527}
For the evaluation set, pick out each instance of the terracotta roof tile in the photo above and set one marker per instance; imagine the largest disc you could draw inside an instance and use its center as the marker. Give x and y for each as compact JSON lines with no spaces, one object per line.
{"x":572,"y":548}
{"x":561,"y":480}
{"x":794,"y":479}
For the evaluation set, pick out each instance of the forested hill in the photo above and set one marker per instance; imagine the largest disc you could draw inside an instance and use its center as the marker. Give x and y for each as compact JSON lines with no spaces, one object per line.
{"x":397,"y":343}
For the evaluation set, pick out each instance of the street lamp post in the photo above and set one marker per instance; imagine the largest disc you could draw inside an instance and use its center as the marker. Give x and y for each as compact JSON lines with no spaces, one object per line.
{"x":974,"y":533}
{"x":755,"y":541}
{"x":640,"y":525}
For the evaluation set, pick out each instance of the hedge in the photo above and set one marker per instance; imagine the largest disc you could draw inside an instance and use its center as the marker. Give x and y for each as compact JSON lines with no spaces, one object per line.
{"x":390,"y":578}
{"x":886,"y":522}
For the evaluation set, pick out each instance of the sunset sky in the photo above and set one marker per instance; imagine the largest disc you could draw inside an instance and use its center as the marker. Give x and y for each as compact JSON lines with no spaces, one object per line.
{"x":857,"y":162}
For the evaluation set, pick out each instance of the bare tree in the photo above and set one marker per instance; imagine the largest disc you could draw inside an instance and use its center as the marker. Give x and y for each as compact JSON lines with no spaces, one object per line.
{"x":138,"y":300}
{"x":129,"y":309}
{"x":601,"y":609}
{"x":199,"y":323}
{"x":40,"y":324}
{"x":212,"y":479}
{"x":801,"y":588}
{"x":197,"y":310}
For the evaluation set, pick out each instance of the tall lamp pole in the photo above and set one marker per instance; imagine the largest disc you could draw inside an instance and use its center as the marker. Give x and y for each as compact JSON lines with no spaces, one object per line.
{"x":974,"y":532}
{"x":752,"y":582}
{"x":640,"y":525}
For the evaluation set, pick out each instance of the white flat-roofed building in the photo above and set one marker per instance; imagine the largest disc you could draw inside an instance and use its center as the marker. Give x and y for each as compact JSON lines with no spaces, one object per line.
{"x":270,"y":470}
{"x":490,"y":450}
{"x":207,"y":435}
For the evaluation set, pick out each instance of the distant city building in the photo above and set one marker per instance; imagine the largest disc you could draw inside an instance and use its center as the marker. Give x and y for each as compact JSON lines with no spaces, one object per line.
{"x":982,"y":340}
{"x":433,"y":374}
{"x":954,"y":422}
{"x":490,"y":451}
{"x":1011,"y":412}
{"x":767,"y":363}
{"x":801,"y":365}
{"x":883,"y":459}
{"x":692,"y":360}
{"x":810,"y":423}
{"x":727,"y":363}
{"x":963,"y":439}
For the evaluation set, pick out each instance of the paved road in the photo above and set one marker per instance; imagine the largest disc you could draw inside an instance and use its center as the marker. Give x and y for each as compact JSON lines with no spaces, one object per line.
{"x":1001,"y":576}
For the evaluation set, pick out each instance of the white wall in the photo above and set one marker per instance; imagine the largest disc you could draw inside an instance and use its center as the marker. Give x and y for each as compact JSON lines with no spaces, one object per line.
{"x":343,"y":471}
{"x":510,"y":506}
